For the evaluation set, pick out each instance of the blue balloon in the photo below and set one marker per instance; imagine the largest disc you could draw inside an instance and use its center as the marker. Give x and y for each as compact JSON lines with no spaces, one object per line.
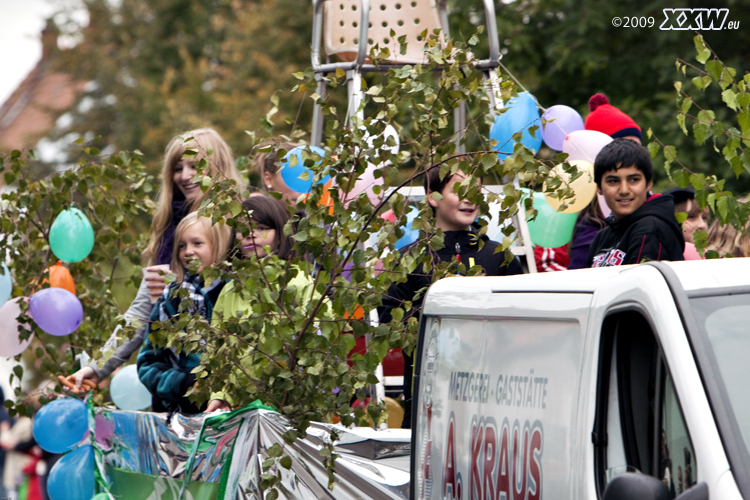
{"x":61,"y":424}
{"x":521,"y":115}
{"x":291,"y":174}
{"x":410,"y":235}
{"x":6,"y":285}
{"x":72,"y":477}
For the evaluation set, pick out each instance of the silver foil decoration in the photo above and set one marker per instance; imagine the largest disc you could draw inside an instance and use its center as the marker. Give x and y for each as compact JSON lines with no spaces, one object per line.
{"x":229,"y":449}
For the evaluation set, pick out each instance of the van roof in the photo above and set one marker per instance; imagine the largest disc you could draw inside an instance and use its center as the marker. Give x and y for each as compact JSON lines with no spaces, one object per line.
{"x":693,"y":275}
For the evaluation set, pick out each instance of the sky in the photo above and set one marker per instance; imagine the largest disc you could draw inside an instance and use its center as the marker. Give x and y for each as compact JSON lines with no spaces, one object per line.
{"x":21,"y":24}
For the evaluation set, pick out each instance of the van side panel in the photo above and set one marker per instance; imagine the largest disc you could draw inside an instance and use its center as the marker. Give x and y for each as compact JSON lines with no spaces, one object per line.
{"x":496,"y":408}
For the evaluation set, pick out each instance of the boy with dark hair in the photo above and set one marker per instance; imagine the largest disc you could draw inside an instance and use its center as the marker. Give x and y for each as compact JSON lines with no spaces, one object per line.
{"x":455,"y":217}
{"x":642,"y":225}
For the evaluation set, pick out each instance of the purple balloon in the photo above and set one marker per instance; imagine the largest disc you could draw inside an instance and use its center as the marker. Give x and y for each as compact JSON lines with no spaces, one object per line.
{"x":567,"y":120}
{"x":56,"y":311}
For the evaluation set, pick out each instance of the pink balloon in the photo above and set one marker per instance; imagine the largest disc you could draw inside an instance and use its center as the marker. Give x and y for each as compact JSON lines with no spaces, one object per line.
{"x":584,"y":145}
{"x":10,"y":344}
{"x":364,"y":184}
{"x":603,"y":205}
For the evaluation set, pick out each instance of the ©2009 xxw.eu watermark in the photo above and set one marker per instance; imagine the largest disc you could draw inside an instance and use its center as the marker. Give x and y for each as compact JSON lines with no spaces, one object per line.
{"x":682,"y":19}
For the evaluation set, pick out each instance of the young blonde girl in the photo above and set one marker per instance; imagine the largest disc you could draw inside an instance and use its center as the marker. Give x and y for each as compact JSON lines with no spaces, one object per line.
{"x":177,"y":198}
{"x":165,"y":373}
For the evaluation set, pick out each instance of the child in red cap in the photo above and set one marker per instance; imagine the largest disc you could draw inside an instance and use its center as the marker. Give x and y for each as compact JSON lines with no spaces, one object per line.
{"x":609,"y":120}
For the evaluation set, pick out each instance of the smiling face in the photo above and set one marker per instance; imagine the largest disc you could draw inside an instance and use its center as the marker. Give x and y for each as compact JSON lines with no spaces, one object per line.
{"x":261,"y":236}
{"x":193,"y":245}
{"x":697,"y":219}
{"x":625,"y":190}
{"x":184,"y":172}
{"x":451,"y":212}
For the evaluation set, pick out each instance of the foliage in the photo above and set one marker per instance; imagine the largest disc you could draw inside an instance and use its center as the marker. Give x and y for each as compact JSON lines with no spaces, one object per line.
{"x":729,"y":137}
{"x":112,"y":192}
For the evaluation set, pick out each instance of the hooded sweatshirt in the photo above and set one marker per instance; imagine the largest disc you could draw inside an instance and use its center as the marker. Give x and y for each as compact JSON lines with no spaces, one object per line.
{"x":649,"y":233}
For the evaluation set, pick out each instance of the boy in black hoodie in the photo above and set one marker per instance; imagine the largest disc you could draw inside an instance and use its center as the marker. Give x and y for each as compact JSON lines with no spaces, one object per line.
{"x":642,"y":225}
{"x":455,"y":217}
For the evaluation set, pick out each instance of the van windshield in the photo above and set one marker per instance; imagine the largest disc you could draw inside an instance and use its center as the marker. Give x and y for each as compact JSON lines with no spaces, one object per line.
{"x":724,"y":321}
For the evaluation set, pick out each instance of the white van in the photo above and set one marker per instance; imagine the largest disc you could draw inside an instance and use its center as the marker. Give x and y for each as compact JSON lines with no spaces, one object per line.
{"x":549,"y":386}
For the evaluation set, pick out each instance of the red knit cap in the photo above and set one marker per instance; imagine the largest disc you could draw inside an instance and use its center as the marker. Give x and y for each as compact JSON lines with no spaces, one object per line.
{"x":609,"y":120}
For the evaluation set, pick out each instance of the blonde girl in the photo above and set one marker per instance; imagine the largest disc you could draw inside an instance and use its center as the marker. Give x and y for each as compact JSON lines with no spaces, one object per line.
{"x":165,"y":373}
{"x":178,"y":196}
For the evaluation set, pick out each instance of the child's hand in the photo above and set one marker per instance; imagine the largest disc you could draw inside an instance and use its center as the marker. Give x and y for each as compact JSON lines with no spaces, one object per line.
{"x":154,"y":277}
{"x":218,"y":405}
{"x":83,"y":380}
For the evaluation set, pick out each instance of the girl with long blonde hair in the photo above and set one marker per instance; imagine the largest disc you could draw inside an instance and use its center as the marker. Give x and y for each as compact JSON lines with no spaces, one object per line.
{"x":179,"y":195}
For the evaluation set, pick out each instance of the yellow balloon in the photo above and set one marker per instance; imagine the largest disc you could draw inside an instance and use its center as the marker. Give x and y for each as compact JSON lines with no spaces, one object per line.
{"x":584,"y":187}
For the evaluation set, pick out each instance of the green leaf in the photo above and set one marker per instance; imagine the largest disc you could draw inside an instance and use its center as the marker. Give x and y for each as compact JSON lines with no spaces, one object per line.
{"x":235,"y":208}
{"x":714,"y":68}
{"x":286,"y":462}
{"x":701,"y":132}
{"x":275,"y":451}
{"x":653,"y":149}
{"x":730,"y":98}
{"x":743,"y":117}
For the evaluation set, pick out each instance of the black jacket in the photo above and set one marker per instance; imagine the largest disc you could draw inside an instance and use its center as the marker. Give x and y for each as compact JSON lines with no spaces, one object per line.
{"x":649,"y":233}
{"x":457,"y":244}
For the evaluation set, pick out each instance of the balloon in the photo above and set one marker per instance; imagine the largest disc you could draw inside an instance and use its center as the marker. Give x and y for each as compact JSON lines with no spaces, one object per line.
{"x":71,"y":237}
{"x":72,"y":477}
{"x":365,"y":184}
{"x":521,"y":115}
{"x":56,"y":311}
{"x":61,"y":424}
{"x":584,"y":187}
{"x":566,"y":120}
{"x":6,"y":284}
{"x":291,"y":174}
{"x":10,"y":344}
{"x":410,"y":235}
{"x":603,"y":205}
{"x":551,"y":228}
{"x":389,"y":131}
{"x":584,"y":145}
{"x":127,"y":391}
{"x":60,"y":277}
{"x":100,"y":496}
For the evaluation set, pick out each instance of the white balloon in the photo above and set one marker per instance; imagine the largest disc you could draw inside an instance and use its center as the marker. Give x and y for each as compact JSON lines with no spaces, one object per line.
{"x":584,"y":145}
{"x":389,"y":131}
{"x":127,"y":391}
{"x":10,"y":344}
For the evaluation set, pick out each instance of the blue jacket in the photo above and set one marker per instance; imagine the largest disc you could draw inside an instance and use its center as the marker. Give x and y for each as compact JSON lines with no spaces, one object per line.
{"x":166,"y":374}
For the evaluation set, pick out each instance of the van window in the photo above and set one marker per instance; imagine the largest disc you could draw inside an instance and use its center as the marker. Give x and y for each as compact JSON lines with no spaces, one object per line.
{"x":639,"y":426}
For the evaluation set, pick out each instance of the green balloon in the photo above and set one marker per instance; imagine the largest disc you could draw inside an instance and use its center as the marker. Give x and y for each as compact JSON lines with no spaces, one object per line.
{"x":71,"y":236}
{"x":550,"y":229}
{"x":100,"y":496}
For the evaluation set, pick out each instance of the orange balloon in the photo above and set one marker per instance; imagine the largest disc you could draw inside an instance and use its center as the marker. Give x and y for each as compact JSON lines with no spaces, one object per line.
{"x":325,"y":198}
{"x":60,"y":277}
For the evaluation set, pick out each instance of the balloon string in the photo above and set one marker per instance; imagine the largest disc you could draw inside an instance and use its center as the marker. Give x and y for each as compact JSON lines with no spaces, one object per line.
{"x":521,"y":85}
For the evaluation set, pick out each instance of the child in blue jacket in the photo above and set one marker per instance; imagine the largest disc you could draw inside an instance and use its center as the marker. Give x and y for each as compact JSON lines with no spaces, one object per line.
{"x":166,"y":373}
